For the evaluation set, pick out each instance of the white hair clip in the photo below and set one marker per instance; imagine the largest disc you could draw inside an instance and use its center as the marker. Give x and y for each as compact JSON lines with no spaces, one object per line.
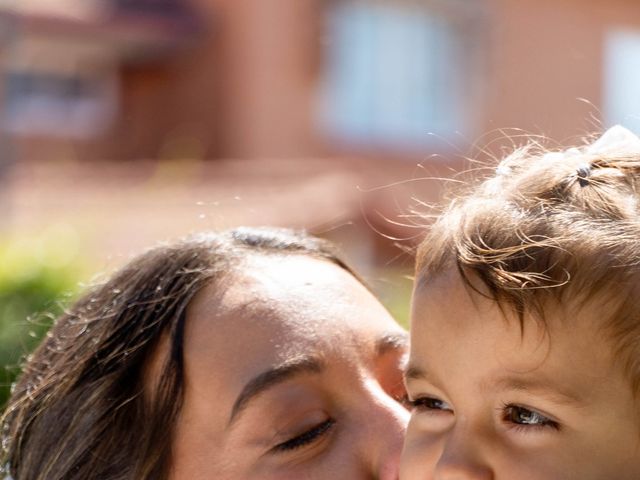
{"x":503,"y":169}
{"x":615,"y":140}
{"x":560,"y":156}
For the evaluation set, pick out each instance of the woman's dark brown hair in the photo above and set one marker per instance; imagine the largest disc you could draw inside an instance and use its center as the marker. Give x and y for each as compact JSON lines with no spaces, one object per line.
{"x":82,"y":408}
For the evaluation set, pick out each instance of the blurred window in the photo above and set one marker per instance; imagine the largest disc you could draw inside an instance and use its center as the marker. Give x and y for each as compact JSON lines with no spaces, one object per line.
{"x":622,"y":78}
{"x":55,"y":104}
{"x":395,"y":72}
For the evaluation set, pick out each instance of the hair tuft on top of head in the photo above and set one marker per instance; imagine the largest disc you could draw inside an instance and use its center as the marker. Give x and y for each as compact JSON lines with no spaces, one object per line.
{"x":548,"y":229}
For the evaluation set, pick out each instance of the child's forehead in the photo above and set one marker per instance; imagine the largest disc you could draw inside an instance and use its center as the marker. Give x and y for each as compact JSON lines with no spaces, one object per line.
{"x":544,"y":311}
{"x":449,"y":315}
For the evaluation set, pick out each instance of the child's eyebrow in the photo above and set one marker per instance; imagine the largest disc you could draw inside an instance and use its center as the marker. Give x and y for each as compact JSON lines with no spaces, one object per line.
{"x":520,"y":383}
{"x":546,"y":387}
{"x":414,"y":372}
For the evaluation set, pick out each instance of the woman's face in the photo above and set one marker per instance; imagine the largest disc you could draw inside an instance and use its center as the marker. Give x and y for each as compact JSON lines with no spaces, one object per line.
{"x":294,"y":371}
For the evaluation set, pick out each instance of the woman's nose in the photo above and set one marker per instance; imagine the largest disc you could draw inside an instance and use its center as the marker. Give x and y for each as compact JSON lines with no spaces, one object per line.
{"x":385,"y":429}
{"x":461,"y":459}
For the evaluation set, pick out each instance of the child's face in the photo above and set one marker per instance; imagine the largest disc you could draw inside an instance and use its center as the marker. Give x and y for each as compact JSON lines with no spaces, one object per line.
{"x":491,"y":403}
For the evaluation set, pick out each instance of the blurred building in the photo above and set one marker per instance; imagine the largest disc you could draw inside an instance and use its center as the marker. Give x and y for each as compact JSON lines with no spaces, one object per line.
{"x":64,"y":64}
{"x":371,"y":85}
{"x":302,"y":78}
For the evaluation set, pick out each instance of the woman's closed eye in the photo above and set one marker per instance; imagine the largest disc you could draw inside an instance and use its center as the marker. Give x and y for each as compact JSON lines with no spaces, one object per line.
{"x":308,"y":437}
{"x":523,"y":417}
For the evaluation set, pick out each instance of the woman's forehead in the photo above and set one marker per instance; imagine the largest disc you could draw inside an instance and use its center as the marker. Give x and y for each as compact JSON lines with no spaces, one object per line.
{"x":283,"y":306}
{"x":292,"y":308}
{"x":292,"y":292}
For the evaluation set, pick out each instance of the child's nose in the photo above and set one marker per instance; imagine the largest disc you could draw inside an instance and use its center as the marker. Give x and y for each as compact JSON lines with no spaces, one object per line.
{"x":461,"y":459}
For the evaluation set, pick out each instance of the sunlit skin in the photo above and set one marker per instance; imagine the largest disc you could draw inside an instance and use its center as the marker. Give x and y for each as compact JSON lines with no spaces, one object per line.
{"x":490,"y":402}
{"x":329,"y":408}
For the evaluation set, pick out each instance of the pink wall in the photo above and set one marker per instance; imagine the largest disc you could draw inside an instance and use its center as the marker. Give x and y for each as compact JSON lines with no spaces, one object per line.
{"x":543,"y":56}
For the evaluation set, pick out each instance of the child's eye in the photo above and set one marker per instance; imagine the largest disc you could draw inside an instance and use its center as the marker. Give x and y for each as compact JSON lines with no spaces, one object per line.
{"x":429,"y":403}
{"x":527,"y":418}
{"x":306,"y":438}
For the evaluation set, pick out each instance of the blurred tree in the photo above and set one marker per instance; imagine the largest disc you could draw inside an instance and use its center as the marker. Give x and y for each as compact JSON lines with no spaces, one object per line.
{"x":32,"y":293}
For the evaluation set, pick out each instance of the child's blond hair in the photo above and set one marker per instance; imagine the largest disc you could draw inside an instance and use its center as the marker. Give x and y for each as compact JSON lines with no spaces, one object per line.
{"x":553,"y":229}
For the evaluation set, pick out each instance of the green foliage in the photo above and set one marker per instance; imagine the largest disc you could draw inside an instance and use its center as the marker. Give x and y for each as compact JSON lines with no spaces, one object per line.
{"x":34,"y":285}
{"x":394,"y":291}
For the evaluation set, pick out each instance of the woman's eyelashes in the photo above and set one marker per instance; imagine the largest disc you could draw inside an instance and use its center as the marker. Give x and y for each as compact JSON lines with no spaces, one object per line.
{"x":308,"y":437}
{"x":527,"y":418}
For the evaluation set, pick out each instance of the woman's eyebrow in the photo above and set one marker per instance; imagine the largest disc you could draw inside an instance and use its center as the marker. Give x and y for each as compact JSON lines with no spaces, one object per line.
{"x":272,"y":377}
{"x":391,"y":341}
